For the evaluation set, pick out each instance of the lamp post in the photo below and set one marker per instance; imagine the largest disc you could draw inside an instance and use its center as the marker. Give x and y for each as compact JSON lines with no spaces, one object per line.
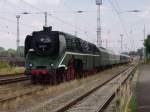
{"x":99,"y":42}
{"x":18,"y":33}
{"x":144,"y":51}
{"x":144,"y":29}
{"x":134,"y":11}
{"x":121,"y":35}
{"x":45,"y":13}
{"x":144,"y":32}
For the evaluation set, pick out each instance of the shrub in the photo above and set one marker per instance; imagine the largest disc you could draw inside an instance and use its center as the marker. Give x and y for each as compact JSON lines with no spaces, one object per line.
{"x":4,"y":64}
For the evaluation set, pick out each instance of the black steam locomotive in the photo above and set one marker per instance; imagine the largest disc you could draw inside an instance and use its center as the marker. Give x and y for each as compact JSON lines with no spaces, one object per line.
{"x":54,"y":56}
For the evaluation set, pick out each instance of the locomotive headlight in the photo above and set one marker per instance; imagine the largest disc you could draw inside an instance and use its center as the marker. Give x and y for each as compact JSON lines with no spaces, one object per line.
{"x":51,"y":65}
{"x":30,"y":65}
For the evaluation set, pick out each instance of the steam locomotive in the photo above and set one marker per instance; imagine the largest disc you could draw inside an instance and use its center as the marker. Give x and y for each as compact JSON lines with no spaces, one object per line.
{"x":54,"y":56}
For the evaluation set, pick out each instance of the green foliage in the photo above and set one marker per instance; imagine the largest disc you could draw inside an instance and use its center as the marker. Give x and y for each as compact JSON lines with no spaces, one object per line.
{"x":4,"y":64}
{"x":147,"y":61}
{"x":20,"y":51}
{"x":2,"y":49}
{"x":8,"y":53}
{"x":133,"y":104}
{"x":11,"y":52}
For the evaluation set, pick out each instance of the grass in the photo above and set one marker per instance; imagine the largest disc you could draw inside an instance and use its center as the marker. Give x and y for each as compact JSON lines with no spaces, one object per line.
{"x":132,"y":104}
{"x":148,"y":61}
{"x":4,"y":64}
{"x":133,"y":101}
{"x":145,"y":61}
{"x":6,"y":68}
{"x":11,"y":70}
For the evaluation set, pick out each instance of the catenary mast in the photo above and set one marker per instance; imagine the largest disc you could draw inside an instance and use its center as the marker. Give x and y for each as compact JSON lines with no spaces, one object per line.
{"x":99,"y":42}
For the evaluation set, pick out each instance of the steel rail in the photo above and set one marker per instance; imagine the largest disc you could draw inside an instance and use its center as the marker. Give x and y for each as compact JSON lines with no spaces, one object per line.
{"x":80,"y":98}
{"x":8,"y":80}
{"x":21,"y":95}
{"x":108,"y":101}
{"x":10,"y":75}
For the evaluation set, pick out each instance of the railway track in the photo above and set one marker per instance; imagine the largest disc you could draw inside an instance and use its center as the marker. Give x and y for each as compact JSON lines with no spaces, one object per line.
{"x":10,"y":98}
{"x":97,"y":99}
{"x":69,"y":100}
{"x":7,"y":79}
{"x":10,"y":75}
{"x":89,"y":101}
{"x":13,"y":97}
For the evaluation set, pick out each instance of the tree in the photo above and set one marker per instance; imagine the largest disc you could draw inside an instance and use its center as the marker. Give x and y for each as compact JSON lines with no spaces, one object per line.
{"x":4,"y":53}
{"x":20,"y":51}
{"x":2,"y":49}
{"x":11,"y":52}
{"x":147,"y":46}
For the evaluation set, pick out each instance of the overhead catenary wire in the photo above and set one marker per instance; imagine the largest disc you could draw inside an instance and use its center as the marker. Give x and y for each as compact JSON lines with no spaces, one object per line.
{"x":74,"y":11}
{"x":11,"y":20}
{"x":67,"y":23}
{"x":63,"y":21}
{"x":14,"y":21}
{"x":118,"y":6}
{"x":14,"y":5}
{"x":26,"y":25}
{"x":40,"y":11}
{"x":80,"y":11}
{"x":32,"y":6}
{"x":19,"y":13}
{"x":119,"y":17}
{"x":53,"y":16}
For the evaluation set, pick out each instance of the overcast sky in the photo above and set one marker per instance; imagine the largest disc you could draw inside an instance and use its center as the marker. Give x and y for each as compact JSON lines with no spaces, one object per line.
{"x":115,"y":20}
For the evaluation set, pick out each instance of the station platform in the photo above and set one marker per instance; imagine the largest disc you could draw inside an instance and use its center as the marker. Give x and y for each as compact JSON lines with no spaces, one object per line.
{"x":143,"y":89}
